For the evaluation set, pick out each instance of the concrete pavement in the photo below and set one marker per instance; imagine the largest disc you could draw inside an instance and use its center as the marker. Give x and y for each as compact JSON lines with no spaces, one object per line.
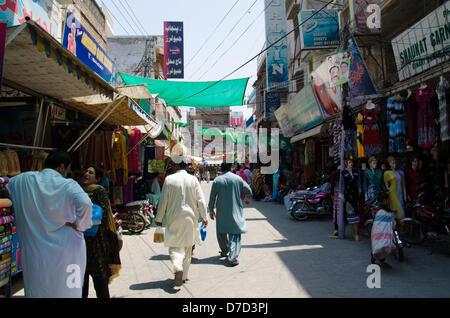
{"x":280,"y":258}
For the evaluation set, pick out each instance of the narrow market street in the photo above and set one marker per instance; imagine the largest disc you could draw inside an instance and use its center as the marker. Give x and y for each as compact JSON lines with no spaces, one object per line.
{"x":280,"y":258}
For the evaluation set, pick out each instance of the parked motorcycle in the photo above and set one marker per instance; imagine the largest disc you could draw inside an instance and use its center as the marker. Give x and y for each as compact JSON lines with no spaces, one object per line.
{"x":429,"y":223}
{"x":312,"y":202}
{"x":130,"y":218}
{"x":145,"y":208}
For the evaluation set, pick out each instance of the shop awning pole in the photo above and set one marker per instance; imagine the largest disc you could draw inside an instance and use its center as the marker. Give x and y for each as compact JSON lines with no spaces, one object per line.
{"x":89,"y":133}
{"x":25,"y":147}
{"x":38,"y":124}
{"x":93,"y":123}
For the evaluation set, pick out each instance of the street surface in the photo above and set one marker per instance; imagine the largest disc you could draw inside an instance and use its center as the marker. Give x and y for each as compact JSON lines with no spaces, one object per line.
{"x":280,"y":258}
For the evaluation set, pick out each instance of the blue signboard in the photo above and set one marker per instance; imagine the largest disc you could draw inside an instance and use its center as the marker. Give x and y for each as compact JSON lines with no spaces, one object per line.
{"x":273,"y":102}
{"x":319,"y":29}
{"x":173,"y":50}
{"x":277,"y":54}
{"x":78,"y":41}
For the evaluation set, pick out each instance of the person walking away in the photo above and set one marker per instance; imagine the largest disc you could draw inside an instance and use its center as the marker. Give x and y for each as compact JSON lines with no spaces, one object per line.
{"x":382,"y":232}
{"x":51,"y":214}
{"x":226,"y":197}
{"x":182,"y":203}
{"x":103,"y":259}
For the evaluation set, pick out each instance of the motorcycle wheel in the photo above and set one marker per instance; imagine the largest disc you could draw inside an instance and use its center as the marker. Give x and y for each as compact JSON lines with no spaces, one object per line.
{"x":296,"y":212}
{"x":136,"y":223}
{"x":411,"y":232}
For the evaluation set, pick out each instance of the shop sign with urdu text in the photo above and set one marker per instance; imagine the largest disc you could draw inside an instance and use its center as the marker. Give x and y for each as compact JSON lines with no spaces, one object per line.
{"x":173,"y":50}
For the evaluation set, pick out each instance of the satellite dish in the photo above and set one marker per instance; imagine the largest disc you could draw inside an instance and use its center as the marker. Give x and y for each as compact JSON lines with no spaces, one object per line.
{"x":156,"y":130}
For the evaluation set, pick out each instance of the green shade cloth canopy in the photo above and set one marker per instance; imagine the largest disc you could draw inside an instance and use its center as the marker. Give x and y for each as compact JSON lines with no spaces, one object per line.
{"x":180,"y":124}
{"x":193,"y":94}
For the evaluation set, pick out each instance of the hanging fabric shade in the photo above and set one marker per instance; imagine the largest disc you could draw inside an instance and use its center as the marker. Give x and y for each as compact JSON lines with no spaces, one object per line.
{"x":194,"y":94}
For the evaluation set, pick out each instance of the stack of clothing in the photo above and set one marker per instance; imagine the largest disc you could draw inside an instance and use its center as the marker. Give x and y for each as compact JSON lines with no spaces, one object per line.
{"x":6,"y":220}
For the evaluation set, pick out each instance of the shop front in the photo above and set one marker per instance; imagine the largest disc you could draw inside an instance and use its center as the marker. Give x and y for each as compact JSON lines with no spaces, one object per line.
{"x":50,"y":100}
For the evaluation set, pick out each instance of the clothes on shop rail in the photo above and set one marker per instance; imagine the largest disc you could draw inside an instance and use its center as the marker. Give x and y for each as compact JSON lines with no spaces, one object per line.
{"x":425,"y":122}
{"x":372,"y":137}
{"x":396,"y":122}
{"x":441,"y":91}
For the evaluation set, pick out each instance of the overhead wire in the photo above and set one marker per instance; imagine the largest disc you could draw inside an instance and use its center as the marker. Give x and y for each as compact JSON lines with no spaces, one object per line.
{"x":120,"y":11}
{"x":234,"y":43}
{"x":204,"y":43}
{"x":110,"y":12}
{"x":226,"y":37}
{"x":264,"y":50}
{"x":133,"y":18}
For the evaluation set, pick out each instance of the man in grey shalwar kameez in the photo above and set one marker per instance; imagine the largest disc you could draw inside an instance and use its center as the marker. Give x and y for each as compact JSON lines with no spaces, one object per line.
{"x":226,"y":197}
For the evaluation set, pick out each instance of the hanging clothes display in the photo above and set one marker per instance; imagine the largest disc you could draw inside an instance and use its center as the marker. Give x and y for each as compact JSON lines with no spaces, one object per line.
{"x":425,"y":120}
{"x":396,"y":186}
{"x":372,"y":137}
{"x":336,"y":135}
{"x":134,"y":157}
{"x":396,"y":121}
{"x":98,"y":149}
{"x":443,"y":115}
{"x":119,"y":157}
{"x":360,"y":135}
{"x":412,"y":108}
{"x":7,"y":251}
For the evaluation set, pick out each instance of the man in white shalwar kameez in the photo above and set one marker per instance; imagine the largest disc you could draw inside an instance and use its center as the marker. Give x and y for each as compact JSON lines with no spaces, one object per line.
{"x":51,"y":214}
{"x":182,"y":202}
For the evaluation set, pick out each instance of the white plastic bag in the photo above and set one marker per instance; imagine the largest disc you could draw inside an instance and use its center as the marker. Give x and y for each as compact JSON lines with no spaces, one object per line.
{"x":382,"y":234}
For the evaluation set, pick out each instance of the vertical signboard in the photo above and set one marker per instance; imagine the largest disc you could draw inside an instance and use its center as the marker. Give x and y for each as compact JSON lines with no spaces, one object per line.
{"x":424,"y":45}
{"x":173,"y":50}
{"x":273,"y":102}
{"x":78,"y":41}
{"x":276,"y":55}
{"x":3,"y":25}
{"x":319,"y":29}
{"x":43,"y":12}
{"x":366,"y":15}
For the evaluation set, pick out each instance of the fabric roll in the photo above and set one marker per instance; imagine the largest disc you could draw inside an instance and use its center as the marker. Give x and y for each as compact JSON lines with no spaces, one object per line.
{"x":6,"y":219}
{"x":5,"y":203}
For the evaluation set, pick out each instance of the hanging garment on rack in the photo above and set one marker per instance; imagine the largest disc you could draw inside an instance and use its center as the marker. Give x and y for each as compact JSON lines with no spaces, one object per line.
{"x":360,"y":135}
{"x":372,"y":138}
{"x":396,"y":121}
{"x":337,"y":137}
{"x":443,"y":115}
{"x":3,"y":164}
{"x":412,"y":109}
{"x":38,"y":163}
{"x":98,"y":149}
{"x":13,"y":162}
{"x":134,"y":157}
{"x":119,"y":157}
{"x":425,"y":120}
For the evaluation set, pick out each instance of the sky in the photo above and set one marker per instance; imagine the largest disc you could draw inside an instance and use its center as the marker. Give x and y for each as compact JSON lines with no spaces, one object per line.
{"x":211,"y":51}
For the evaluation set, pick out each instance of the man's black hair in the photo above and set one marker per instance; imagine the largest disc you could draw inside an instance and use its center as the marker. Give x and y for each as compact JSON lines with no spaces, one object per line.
{"x":225,"y":166}
{"x":54,"y":160}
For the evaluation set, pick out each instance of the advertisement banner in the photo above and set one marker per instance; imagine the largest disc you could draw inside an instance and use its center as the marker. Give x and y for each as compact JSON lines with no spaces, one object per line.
{"x":367,"y":16}
{"x":277,"y":55}
{"x":78,"y":41}
{"x":45,"y":13}
{"x":236,"y":119}
{"x":173,"y":50}
{"x":360,"y":83}
{"x":273,"y":102}
{"x":424,"y":45}
{"x":320,"y":30}
{"x":300,"y":114}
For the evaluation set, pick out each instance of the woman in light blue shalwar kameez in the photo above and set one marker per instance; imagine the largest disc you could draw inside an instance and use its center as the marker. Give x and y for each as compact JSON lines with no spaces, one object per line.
{"x":230,"y":224}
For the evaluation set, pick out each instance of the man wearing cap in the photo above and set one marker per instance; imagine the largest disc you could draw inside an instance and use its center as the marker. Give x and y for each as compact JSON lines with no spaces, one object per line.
{"x":181,"y":202}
